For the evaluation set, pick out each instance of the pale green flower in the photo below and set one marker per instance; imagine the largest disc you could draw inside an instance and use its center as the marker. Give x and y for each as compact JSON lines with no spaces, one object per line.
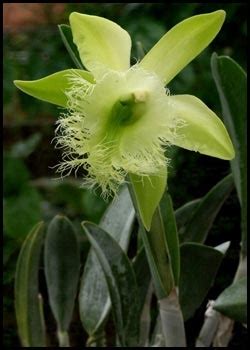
{"x":120,"y":119}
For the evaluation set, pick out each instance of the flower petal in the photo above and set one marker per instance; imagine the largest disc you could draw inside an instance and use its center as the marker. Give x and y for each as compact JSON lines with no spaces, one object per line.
{"x":52,"y":88}
{"x":148,"y":191}
{"x":100,"y":42}
{"x":181,"y":44}
{"x":202,"y":130}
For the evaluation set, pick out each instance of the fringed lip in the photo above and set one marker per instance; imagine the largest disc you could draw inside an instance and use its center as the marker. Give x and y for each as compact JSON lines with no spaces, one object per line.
{"x":119,"y":125}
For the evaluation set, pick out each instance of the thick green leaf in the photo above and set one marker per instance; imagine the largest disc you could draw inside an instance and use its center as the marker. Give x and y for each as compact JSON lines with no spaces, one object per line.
{"x":232,"y":302}
{"x":155,"y":245}
{"x":143,"y":276}
{"x":67,"y":39}
{"x":145,"y":291}
{"x":223,"y":247}
{"x":181,"y":44}
{"x":94,"y":301}
{"x":205,"y":213}
{"x":171,"y":234}
{"x":199,"y":265}
{"x":231,"y":83}
{"x":101,"y":43}
{"x":52,"y":88}
{"x":184,"y":214}
{"x":148,"y":192}
{"x":202,"y":131}
{"x":62,"y":265}
{"x":159,"y":257}
{"x":28,"y":309}
{"x":121,"y":281}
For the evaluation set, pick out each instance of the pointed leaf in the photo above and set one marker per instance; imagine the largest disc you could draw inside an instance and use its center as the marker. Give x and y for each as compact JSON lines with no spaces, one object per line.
{"x":62,"y":265}
{"x":223,"y":247}
{"x":232,"y":302}
{"x":231,"y":83}
{"x":28,"y":309}
{"x":100,"y":42}
{"x":143,"y":276}
{"x":199,"y":265}
{"x":67,"y":39}
{"x":202,"y":131}
{"x":181,"y":44}
{"x":148,"y":192}
{"x":145,"y":291}
{"x":184,"y":214}
{"x":94,"y":301}
{"x":205,"y":213}
{"x":52,"y":88}
{"x":121,"y":283}
{"x":171,"y":234}
{"x":157,"y":252}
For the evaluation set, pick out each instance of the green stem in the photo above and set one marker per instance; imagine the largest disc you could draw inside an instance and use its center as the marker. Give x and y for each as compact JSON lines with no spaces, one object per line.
{"x":172,"y":320}
{"x":157,"y":255}
{"x":145,"y":320}
{"x":161,"y":270}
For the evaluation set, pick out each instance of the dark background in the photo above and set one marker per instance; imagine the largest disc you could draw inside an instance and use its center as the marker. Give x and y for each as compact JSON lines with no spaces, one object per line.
{"x":33,"y":49}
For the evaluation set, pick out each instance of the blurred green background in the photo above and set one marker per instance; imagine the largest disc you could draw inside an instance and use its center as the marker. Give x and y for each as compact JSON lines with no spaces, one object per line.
{"x":32,"y":48}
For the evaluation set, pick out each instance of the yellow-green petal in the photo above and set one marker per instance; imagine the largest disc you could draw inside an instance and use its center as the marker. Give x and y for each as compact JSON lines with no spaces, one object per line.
{"x":52,"y":88}
{"x":181,"y":44}
{"x":101,"y":43}
{"x":148,"y":191}
{"x":202,"y":131}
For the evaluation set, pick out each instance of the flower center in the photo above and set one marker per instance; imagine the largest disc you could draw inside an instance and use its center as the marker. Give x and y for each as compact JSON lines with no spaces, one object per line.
{"x":128,"y":109}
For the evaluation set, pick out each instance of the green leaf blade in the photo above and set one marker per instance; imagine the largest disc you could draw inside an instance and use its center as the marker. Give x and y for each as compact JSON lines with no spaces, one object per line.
{"x":171,"y":234}
{"x":232,"y":302}
{"x":145,"y":290}
{"x":28,"y":309}
{"x":62,"y":265}
{"x":94,"y":301}
{"x":121,"y":282}
{"x":183,"y":214}
{"x":206,"y":211}
{"x":231,"y":83}
{"x":199,"y":265}
{"x":156,"y":247}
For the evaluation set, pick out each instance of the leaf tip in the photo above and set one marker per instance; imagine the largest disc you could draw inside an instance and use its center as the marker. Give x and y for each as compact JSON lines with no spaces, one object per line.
{"x":18,"y":83}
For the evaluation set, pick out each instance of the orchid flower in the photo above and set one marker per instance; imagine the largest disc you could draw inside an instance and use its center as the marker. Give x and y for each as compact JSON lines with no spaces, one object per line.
{"x":120,"y":119}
